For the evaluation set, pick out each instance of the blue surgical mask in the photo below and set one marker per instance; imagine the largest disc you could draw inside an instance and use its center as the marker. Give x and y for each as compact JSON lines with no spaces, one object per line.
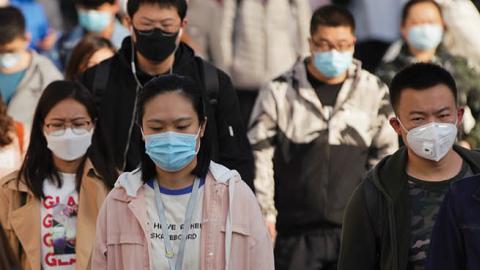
{"x":171,"y":151}
{"x":9,"y":60}
{"x":93,"y":20}
{"x":332,"y":63}
{"x":425,"y":36}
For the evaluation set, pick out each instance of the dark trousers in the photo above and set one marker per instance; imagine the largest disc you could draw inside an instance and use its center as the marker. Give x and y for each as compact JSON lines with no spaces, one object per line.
{"x":318,"y":250}
{"x":246,"y":98}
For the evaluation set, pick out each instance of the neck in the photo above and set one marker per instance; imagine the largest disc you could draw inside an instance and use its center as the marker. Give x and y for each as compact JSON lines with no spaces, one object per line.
{"x":155,"y":68}
{"x":66,"y":166}
{"x":177,"y":180}
{"x":433,"y":171}
{"x":22,"y":64}
{"x":108,"y":31}
{"x":319,"y":76}
{"x":422,"y":56}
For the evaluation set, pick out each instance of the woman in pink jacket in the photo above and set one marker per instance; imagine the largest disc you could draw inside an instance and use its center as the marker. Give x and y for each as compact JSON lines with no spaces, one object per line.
{"x":179,"y":210}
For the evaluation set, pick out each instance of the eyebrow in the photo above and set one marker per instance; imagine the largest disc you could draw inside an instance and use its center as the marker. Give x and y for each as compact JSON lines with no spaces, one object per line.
{"x":148,"y":20}
{"x":436,"y":112}
{"x":64,"y":119}
{"x":174,"y":121}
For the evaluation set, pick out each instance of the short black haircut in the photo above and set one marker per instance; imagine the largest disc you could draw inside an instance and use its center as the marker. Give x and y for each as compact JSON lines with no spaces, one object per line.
{"x":420,"y":76}
{"x":12,"y":24}
{"x":92,"y":4}
{"x":189,"y":89}
{"x":333,"y":16}
{"x":180,"y":5}
{"x":412,"y":3}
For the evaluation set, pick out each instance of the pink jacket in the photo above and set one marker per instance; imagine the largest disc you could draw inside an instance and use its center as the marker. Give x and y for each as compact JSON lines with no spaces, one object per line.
{"x":233,"y":236}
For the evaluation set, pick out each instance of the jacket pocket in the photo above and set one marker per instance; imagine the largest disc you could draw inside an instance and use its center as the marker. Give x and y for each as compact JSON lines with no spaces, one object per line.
{"x":240,"y":246}
{"x":126,"y":250}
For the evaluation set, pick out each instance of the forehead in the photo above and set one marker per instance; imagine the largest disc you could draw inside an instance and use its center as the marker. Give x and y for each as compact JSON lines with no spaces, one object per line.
{"x":17,"y":43}
{"x":66,"y":109}
{"x":422,"y":10}
{"x":333,"y":33}
{"x":156,"y":12}
{"x":427,"y":100}
{"x":169,"y":106}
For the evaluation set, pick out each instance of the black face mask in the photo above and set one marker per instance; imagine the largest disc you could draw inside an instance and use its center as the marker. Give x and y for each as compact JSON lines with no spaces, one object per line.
{"x":156,"y":45}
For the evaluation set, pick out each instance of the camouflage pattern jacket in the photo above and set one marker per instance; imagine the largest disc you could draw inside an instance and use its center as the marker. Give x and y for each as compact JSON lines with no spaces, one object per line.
{"x":467,"y":79}
{"x":309,"y":159}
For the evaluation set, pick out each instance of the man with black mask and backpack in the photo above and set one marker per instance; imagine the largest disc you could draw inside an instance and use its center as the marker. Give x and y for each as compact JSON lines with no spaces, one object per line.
{"x":154,"y":49}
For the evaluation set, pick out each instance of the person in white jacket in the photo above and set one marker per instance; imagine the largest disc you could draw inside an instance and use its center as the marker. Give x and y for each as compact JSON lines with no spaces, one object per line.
{"x":258,"y":41}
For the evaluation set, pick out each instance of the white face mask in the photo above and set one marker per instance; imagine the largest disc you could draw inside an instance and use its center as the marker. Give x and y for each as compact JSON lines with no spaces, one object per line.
{"x":9,"y":60}
{"x":69,"y":146}
{"x":433,"y":140}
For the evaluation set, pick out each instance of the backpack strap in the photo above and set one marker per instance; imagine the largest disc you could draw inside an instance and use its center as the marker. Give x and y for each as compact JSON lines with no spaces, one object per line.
{"x":21,"y":135}
{"x":210,"y":78}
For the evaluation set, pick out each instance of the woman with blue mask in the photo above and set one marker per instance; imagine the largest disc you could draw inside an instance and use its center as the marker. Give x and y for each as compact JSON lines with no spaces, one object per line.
{"x":180,"y":209}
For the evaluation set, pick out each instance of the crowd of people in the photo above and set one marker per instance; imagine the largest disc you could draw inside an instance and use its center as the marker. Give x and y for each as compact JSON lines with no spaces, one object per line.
{"x":239,"y":134}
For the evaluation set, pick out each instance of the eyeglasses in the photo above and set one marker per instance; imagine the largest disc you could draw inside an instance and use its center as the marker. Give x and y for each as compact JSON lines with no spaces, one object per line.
{"x":324,"y":46}
{"x":58,"y":129}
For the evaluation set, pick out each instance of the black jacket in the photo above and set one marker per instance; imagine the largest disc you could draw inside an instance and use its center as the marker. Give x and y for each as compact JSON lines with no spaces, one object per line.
{"x":376,"y":226}
{"x":117,"y":105}
{"x":456,"y":235}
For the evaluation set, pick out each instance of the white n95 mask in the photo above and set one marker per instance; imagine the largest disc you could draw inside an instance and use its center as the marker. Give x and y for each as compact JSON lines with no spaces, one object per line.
{"x":432,"y":141}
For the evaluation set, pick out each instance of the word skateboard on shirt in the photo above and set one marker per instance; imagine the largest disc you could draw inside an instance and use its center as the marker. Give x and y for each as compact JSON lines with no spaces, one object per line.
{"x":59,"y":220}
{"x":175,"y":231}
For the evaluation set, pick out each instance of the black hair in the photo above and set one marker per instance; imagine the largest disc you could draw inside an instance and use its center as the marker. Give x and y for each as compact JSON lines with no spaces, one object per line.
{"x":187,"y":88}
{"x":38,"y":164}
{"x":180,"y":5}
{"x":412,"y":3}
{"x":419,"y":77}
{"x":92,"y":4}
{"x":12,"y":24}
{"x":333,"y":16}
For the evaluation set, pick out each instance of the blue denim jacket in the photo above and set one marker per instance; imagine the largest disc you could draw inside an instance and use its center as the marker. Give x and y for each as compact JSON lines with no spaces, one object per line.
{"x":456,"y":235}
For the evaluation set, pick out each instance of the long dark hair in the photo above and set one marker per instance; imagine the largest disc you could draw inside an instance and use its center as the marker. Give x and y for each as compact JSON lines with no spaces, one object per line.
{"x":38,"y":164}
{"x":187,"y":88}
{"x":6,"y":125}
{"x":87,"y":46}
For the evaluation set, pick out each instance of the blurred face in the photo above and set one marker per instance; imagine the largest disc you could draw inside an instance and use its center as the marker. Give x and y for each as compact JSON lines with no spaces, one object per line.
{"x":12,"y":53}
{"x":417,"y":108}
{"x":421,"y":14}
{"x":68,"y":113}
{"x":328,"y":38}
{"x":171,"y":112}
{"x":98,"y":56}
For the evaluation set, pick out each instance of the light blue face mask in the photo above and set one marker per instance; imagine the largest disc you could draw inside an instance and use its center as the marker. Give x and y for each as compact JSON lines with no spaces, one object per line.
{"x":9,"y":60}
{"x":332,"y":63}
{"x":425,"y":36}
{"x":171,"y":151}
{"x":93,"y":20}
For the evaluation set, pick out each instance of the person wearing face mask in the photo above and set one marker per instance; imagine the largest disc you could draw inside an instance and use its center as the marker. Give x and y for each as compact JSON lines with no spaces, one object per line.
{"x":49,"y":207}
{"x":182,"y":210}
{"x":96,"y":17}
{"x":389,"y":219}
{"x":307,"y":126}
{"x":23,"y":73}
{"x":423,"y":29}
{"x":155,"y":49}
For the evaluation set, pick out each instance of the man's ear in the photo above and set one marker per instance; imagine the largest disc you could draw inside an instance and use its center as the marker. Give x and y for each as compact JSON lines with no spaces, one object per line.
{"x":460,"y":113}
{"x":396,"y":125}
